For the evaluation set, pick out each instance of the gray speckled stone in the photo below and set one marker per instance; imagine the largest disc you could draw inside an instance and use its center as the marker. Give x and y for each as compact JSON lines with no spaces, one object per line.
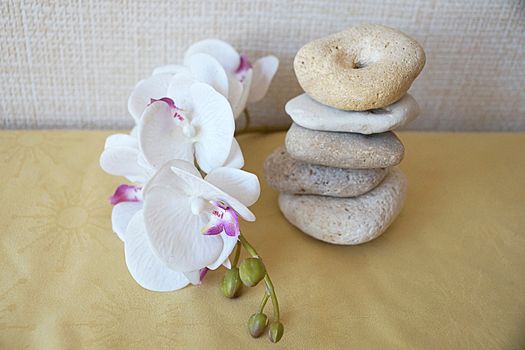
{"x":286,"y":174}
{"x":344,"y":150}
{"x":347,"y":221}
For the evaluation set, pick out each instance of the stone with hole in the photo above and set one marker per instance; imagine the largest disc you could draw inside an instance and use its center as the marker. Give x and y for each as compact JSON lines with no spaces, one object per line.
{"x":361,"y":68}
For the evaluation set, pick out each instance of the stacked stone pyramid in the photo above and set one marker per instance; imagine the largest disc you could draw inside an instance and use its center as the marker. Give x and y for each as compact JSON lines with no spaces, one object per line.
{"x":336,"y":172}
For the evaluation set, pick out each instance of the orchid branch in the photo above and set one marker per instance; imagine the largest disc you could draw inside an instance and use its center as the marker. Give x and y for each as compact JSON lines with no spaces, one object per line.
{"x":247,"y":128}
{"x":263,"y":302}
{"x":237,"y":254}
{"x":267,"y":281}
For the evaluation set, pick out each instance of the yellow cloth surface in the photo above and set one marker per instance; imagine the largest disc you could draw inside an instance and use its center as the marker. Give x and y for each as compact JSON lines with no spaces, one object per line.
{"x":448,"y":274}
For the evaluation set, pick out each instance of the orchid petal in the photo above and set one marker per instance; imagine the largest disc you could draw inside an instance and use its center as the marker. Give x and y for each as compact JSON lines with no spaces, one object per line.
{"x":208,"y":70}
{"x":161,"y":137}
{"x":229,"y":243}
{"x":179,"y":90}
{"x":145,"y":267}
{"x":263,"y":71}
{"x":175,"y":232}
{"x":238,"y":183}
{"x":246,"y":85}
{"x":234,"y":94}
{"x":153,"y":87}
{"x":122,"y":161}
{"x":213,"y":120}
{"x":134,"y":132}
{"x":165,"y":177}
{"x":170,"y":69}
{"x":235,"y":158}
{"x":193,"y":276}
{"x":121,"y":140}
{"x":227,"y":264}
{"x":121,"y":216}
{"x":202,"y":188}
{"x":223,"y":52}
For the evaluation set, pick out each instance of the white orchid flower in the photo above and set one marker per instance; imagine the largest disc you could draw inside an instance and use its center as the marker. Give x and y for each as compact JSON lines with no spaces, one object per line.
{"x":122,"y":157}
{"x":127,"y":199}
{"x":259,"y":75}
{"x":199,"y":124}
{"x":200,"y":116}
{"x":205,"y":68}
{"x":144,"y":266}
{"x":188,"y":224}
{"x":201,"y":68}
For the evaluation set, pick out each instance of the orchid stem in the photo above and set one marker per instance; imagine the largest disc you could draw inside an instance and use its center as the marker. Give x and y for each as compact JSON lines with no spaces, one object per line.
{"x":262,"y":129}
{"x":246,"y":122}
{"x":237,"y":254}
{"x":263,"y":302}
{"x":270,"y":290}
{"x":247,"y":118}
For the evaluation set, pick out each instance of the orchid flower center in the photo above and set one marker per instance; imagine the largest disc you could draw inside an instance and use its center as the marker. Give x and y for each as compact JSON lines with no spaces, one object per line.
{"x":180,"y":117}
{"x":222,"y":218}
{"x":189,"y":130}
{"x":219,"y":216}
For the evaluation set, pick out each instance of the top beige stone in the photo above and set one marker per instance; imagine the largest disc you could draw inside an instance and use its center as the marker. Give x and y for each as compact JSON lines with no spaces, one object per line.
{"x":361,"y":68}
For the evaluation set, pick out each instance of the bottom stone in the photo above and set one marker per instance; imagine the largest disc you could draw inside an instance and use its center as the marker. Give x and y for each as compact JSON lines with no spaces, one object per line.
{"x":347,"y":221}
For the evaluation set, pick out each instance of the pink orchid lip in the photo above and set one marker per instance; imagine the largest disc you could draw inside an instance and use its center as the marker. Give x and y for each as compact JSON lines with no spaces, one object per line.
{"x":171,"y":104}
{"x":224,"y":219}
{"x":202,"y":273}
{"x":166,"y":100}
{"x":126,"y":193}
{"x":244,"y":66}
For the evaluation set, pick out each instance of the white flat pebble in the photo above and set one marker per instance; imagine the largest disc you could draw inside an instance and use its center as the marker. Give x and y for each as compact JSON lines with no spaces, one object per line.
{"x":311,"y":114}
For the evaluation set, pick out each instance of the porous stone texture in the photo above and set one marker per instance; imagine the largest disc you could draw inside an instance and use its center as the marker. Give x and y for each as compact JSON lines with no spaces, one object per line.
{"x":311,"y":114}
{"x":344,"y":150}
{"x":286,"y":174}
{"x":361,"y":68}
{"x":347,"y":221}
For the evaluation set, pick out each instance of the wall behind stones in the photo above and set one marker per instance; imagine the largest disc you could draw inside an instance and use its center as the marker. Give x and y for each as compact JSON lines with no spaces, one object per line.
{"x":72,"y":64}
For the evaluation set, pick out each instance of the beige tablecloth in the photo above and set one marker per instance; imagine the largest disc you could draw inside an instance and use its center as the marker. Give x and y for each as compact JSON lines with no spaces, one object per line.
{"x":449,"y":273}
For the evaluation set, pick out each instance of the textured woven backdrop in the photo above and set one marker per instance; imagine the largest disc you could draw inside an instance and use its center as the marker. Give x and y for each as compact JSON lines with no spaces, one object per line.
{"x":73,"y":64}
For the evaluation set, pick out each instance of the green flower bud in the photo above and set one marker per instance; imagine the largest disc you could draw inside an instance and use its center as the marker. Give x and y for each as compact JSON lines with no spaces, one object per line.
{"x":276,"y":331}
{"x":231,"y":283}
{"x":257,"y":323}
{"x":252,"y":271}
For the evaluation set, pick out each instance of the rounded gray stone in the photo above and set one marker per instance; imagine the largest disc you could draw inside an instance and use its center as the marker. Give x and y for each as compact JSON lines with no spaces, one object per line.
{"x":311,"y":114}
{"x":344,"y":150}
{"x":286,"y":174}
{"x":347,"y":221}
